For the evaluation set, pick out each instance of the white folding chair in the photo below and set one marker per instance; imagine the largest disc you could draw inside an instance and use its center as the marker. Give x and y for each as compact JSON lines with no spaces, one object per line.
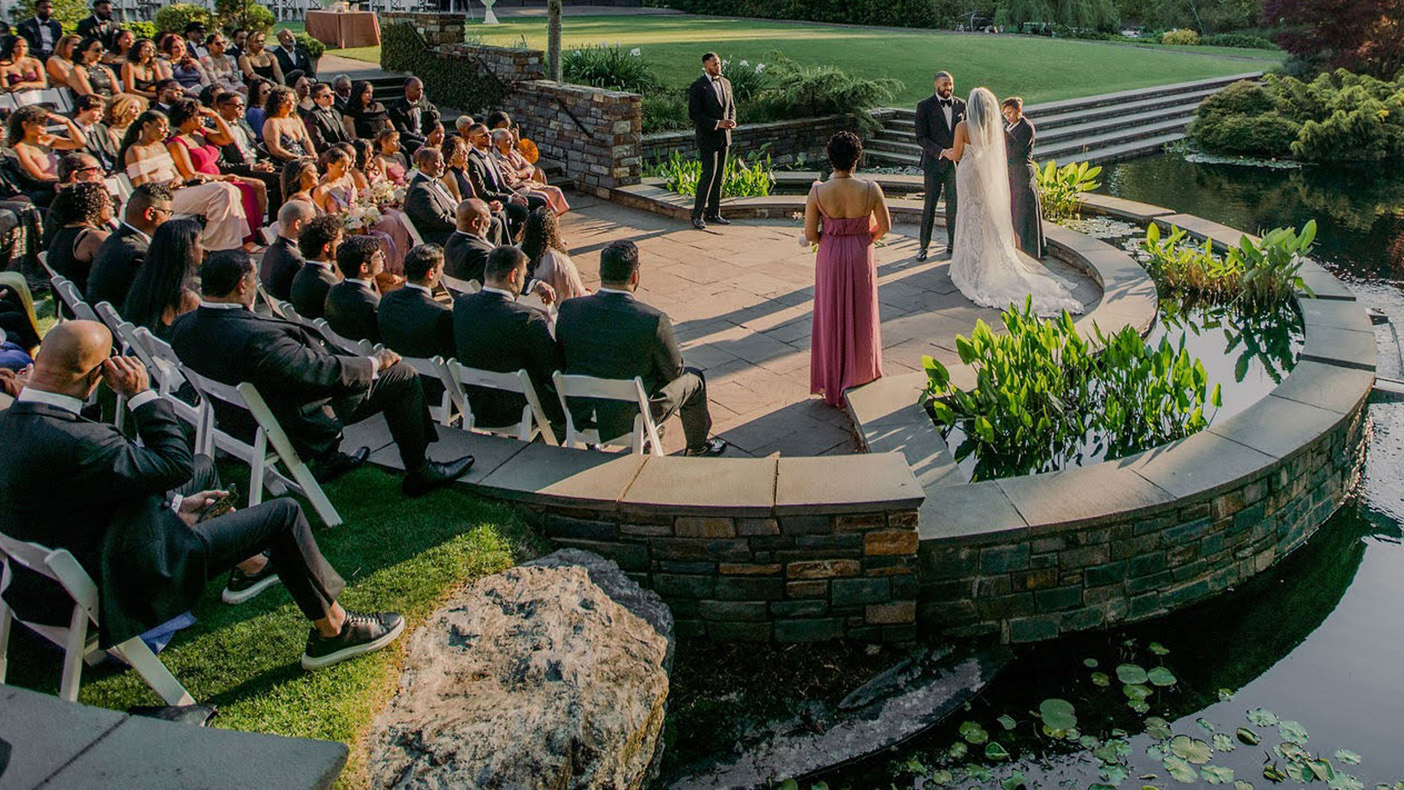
{"x":443,"y":413}
{"x":166,"y":379}
{"x":264,"y":303}
{"x":345,"y":344}
{"x":8,"y":102}
{"x":76,"y":639}
{"x":624,"y":390}
{"x":289,"y":313}
{"x":457,"y":377}
{"x":460,"y":286}
{"x":44,"y":261}
{"x":59,"y":98}
{"x":415,"y":238}
{"x":108,"y":315}
{"x":68,"y":292}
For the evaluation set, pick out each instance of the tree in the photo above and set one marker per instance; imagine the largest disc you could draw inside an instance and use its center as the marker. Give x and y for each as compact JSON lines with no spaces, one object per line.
{"x":1364,"y":36}
{"x":1080,"y":14}
{"x":553,"y":37}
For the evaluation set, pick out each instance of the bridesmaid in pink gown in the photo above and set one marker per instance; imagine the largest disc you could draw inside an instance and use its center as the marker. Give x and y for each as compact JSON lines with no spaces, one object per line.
{"x":194,"y":148}
{"x":845,"y":215}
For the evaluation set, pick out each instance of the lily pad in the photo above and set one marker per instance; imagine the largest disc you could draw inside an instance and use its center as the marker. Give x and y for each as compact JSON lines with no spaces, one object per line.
{"x":1158,"y":649}
{"x":1262,"y":717}
{"x":1131,"y":674}
{"x":941,"y":777}
{"x":789,"y":784}
{"x":1090,"y":663}
{"x":1191,"y":749}
{"x":1157,"y":728}
{"x":1205,"y":724}
{"x":993,"y":751}
{"x":1112,"y":751}
{"x":1344,"y":781}
{"x":1007,"y":722}
{"x":1137,"y":691}
{"x":1113,"y":774}
{"x":1246,"y":736}
{"x":1101,"y":679}
{"x":1293,"y":732}
{"x":1160,"y":676}
{"x":1058,"y":714}
{"x":1139,"y":705}
{"x":1225,"y":695}
{"x":1014,"y":781}
{"x":1216,"y":774}
{"x":1348,"y":757}
{"x":1223,"y":742}
{"x":1273,"y":774}
{"x":1089,"y":742}
{"x":1301,"y":772}
{"x":973,"y":733}
{"x":1239,"y":784}
{"x":1180,"y":770}
{"x":958,"y":750}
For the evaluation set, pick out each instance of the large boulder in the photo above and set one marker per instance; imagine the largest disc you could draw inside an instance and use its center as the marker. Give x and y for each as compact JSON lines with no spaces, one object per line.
{"x":551,"y":674}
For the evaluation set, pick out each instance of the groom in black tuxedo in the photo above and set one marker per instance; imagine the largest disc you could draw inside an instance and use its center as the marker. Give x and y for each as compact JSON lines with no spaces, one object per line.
{"x":713,"y":111}
{"x":936,"y":119}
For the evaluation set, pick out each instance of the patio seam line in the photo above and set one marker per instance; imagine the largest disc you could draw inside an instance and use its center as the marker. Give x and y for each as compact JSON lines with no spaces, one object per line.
{"x":91,"y":745}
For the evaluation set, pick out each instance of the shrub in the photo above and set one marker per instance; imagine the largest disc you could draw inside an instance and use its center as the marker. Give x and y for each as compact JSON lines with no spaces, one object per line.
{"x":609,"y":67}
{"x":665,"y":111}
{"x":314,"y":47}
{"x":67,"y":12}
{"x":174,"y":17}
{"x":1244,"y":97}
{"x":453,"y":80}
{"x":1241,"y":40}
{"x":1182,"y":37}
{"x":742,"y":180}
{"x":234,"y":14}
{"x":887,"y":13}
{"x":1268,"y":135}
{"x":748,"y":80}
{"x":141,"y":29}
{"x":1060,"y":189}
{"x":813,"y":91}
{"x":1259,"y":274}
{"x":1042,"y":392}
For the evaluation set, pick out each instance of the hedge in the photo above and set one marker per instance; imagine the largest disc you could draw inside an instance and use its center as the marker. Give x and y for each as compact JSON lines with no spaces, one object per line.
{"x":887,"y":13}
{"x":445,"y":78}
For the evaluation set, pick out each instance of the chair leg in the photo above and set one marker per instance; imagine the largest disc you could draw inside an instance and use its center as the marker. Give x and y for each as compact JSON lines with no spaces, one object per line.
{"x":74,"y":650}
{"x":314,"y":493}
{"x":260,"y":455}
{"x":155,"y":673}
{"x":5,"y":618}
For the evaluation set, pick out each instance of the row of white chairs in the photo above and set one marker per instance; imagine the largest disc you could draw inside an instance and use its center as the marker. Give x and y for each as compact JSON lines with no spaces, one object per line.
{"x":60,"y":99}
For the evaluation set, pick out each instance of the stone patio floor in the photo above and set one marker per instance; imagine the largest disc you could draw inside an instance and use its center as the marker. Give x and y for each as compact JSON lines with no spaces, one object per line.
{"x":741,"y":301}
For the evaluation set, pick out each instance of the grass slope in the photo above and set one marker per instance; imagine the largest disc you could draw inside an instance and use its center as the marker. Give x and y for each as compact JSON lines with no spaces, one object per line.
{"x":1039,"y":69}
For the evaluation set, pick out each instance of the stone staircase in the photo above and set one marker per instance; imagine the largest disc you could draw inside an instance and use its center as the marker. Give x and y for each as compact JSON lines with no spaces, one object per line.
{"x":1098,"y":129}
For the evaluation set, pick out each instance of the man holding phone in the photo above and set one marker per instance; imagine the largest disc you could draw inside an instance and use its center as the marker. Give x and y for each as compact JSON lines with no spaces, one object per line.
{"x":131,"y":513}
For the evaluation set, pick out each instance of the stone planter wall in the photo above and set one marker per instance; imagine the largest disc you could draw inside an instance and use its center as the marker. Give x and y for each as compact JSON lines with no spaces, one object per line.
{"x":436,"y":28}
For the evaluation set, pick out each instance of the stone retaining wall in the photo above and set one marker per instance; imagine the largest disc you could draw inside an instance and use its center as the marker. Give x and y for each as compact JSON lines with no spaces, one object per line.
{"x":783,"y":140}
{"x":592,"y":133}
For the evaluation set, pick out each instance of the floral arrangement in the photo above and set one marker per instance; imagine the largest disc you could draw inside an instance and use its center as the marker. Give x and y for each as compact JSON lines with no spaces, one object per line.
{"x":385,"y":194}
{"x":361,"y":218}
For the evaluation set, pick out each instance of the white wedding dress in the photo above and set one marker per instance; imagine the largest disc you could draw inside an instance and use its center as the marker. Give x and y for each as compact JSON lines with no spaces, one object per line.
{"x":986,"y":266}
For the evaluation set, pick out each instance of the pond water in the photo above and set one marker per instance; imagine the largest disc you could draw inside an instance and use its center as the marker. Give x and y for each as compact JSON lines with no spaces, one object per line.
{"x":1317,"y":643}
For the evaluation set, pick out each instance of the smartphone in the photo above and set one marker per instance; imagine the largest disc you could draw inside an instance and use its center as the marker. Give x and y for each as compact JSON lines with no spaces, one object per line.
{"x":221,"y":505}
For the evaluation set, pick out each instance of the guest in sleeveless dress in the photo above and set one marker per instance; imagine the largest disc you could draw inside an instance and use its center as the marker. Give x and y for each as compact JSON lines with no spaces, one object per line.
{"x":257,"y":61}
{"x":82,"y":210}
{"x":21,"y":72}
{"x":195,"y":149}
{"x":89,"y":75}
{"x":547,"y":258}
{"x":35,"y":149}
{"x":519,"y":172}
{"x":365,"y":117}
{"x":284,"y":135}
{"x":845,"y":215}
{"x":60,"y":64}
{"x":336,"y":194}
{"x":392,"y":162}
{"x":139,"y":74}
{"x":223,"y":69}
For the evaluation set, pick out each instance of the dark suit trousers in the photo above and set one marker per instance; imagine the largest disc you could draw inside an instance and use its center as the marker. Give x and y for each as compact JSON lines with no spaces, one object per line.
{"x":277,"y":527}
{"x":710,"y":184}
{"x":271,"y":181}
{"x":685,"y":396}
{"x":516,"y":219}
{"x":397,"y":393}
{"x":938,"y":177}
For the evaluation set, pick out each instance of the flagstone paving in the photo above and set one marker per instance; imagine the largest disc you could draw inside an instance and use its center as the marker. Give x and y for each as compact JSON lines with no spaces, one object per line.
{"x":741,"y":301}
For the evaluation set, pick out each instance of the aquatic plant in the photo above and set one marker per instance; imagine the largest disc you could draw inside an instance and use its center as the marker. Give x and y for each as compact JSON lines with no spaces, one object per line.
{"x":1060,"y":188}
{"x":1259,"y":273}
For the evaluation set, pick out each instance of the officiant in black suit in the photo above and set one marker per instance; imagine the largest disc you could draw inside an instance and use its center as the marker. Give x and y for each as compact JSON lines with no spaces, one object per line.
{"x":1019,"y":136}
{"x":713,"y":111}
{"x":936,"y":119}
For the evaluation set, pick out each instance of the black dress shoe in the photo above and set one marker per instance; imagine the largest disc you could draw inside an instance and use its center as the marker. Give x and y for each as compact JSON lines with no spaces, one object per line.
{"x":719,"y":219}
{"x":713,"y":447}
{"x":699,"y":224}
{"x":433,"y":475}
{"x":921,"y":255}
{"x":337,"y":465}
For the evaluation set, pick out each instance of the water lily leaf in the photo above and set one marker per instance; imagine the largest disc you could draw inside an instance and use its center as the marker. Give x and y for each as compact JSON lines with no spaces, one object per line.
{"x":1131,"y":674}
{"x":941,"y":777}
{"x":1348,"y":757}
{"x":1139,"y":705}
{"x":1089,"y":742}
{"x":1225,"y":695}
{"x":1007,"y":722}
{"x":1344,"y":781}
{"x":1112,"y":751}
{"x":1191,"y":749}
{"x":1161,"y":676}
{"x":1155,"y":752}
{"x":958,"y":750}
{"x":1223,"y":742}
{"x":1205,"y":724}
{"x":1101,"y":679}
{"x":1247,"y":736}
{"x":1291,"y":751}
{"x":1113,"y":774}
{"x":1301,"y":772}
{"x":1157,"y":728}
{"x":1242,"y":785}
{"x":1058,"y":714}
{"x":789,"y":784}
{"x":977,"y":773}
{"x":1216,"y":775}
{"x":1273,"y":774}
{"x":1293,"y":732}
{"x":1322,"y":770}
{"x":1180,"y":770}
{"x":1014,"y":781}
{"x":1262,"y":717}
{"x":993,"y":751}
{"x":819,"y":786}
{"x":1137,"y":691}
{"x":1158,"y":649}
{"x":1090,"y":663}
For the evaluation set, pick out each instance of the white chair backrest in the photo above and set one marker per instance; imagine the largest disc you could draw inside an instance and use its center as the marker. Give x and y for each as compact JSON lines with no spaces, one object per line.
{"x":345,"y":344}
{"x":415,"y":238}
{"x":109,"y":316}
{"x":457,"y":377}
{"x":44,"y":261}
{"x":624,"y":390}
{"x":68,"y":292}
{"x":461,"y":286}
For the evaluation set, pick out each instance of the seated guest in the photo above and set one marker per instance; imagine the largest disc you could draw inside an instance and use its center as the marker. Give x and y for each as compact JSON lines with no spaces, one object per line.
{"x":365,"y":117}
{"x":90,"y":76}
{"x":283,"y":260}
{"x":222,"y":68}
{"x":256,"y":61}
{"x":427,"y":202}
{"x":150,"y":553}
{"x":365,"y":167}
{"x":20,"y":71}
{"x":60,"y":64}
{"x":87,"y":117}
{"x":259,"y":91}
{"x":121,"y":254}
{"x":186,"y":68}
{"x":323,"y":122}
{"x":238,"y":42}
{"x":518,"y":172}
{"x":283,"y":133}
{"x":78,"y":167}
{"x":467,"y":249}
{"x":413,"y":115}
{"x":499,"y":119}
{"x":313,"y":393}
{"x":455,"y":176}
{"x":461,"y":126}
{"x":35,"y":147}
{"x":341,"y":91}
{"x":435,"y":135}
{"x":241,"y":155}
{"x":612,"y":335}
{"x":116,"y":53}
{"x":168,"y":92}
{"x":195,"y":35}
{"x":121,"y":113}
{"x":489,"y":185}
{"x":352,"y":303}
{"x":492,"y":331}
{"x":302,"y":89}
{"x":547,"y":257}
{"x":392,"y":162}
{"x":318,"y":244}
{"x":81,"y":213}
{"x":194,"y":146}
{"x":140,"y":72}
{"x":299,"y":178}
{"x":292,"y":56}
{"x":411,"y":321}
{"x":164,"y":285}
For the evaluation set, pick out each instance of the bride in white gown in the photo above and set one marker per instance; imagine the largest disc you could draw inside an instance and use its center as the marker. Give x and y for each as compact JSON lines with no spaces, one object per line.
{"x":986,"y":266}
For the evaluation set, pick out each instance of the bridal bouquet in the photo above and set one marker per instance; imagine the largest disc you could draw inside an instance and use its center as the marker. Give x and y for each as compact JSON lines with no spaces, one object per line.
{"x":361,"y":218}
{"x":385,"y":193}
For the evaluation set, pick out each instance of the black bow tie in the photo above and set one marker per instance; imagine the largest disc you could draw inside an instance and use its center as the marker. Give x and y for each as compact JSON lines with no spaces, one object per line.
{"x":716,"y":79}
{"x":946,"y":102}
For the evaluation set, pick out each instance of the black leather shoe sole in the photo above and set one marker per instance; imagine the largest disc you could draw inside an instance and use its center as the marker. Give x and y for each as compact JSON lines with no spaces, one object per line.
{"x":340,"y":464}
{"x":435,"y":475}
{"x":921,"y":255}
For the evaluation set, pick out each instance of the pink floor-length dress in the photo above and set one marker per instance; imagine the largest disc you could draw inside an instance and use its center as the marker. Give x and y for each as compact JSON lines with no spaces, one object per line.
{"x":846,"y":347}
{"x":205,"y":159}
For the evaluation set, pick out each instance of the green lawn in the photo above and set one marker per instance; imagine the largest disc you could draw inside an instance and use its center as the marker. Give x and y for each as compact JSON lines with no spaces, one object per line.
{"x":394,"y":554}
{"x":1039,"y":69}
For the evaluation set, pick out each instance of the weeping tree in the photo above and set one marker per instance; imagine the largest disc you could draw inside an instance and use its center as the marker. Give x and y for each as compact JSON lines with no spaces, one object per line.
{"x":553,"y":37}
{"x":1084,"y":14}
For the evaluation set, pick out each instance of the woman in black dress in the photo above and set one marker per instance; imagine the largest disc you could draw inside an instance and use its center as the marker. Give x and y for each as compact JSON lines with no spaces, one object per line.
{"x":82,"y":212}
{"x":1019,"y":135}
{"x":365,"y":117}
{"x":162,"y":289}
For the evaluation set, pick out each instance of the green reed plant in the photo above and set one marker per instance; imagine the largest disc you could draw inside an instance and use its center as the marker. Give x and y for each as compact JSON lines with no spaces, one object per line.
{"x":742,"y":179}
{"x":1262,"y":273}
{"x":1060,"y":188}
{"x":609,"y":67}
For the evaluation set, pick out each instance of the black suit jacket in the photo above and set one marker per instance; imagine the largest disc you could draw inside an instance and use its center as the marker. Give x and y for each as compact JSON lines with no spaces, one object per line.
{"x":431,"y":208}
{"x":29,"y":28}
{"x":405,"y":123}
{"x":492,"y":333}
{"x":932,"y":132}
{"x":615,"y":336}
{"x":351,"y":311}
{"x":115,"y":265}
{"x":300,"y":60}
{"x":486,"y":179}
{"x":413,"y":324}
{"x":706,"y":109}
{"x":290,"y":366}
{"x":324,"y":126}
{"x":281,"y":263}
{"x":231,"y":155}
{"x":68,"y":482}
{"x":103,"y":30}
{"x":309,"y":290}
{"x":1019,"y":145}
{"x":465,"y":256}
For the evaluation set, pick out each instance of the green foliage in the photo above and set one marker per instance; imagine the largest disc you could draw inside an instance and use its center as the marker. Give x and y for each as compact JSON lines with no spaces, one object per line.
{"x":1060,"y":189}
{"x":742,"y":179}
{"x":813,"y":91}
{"x":665,"y":111}
{"x":887,"y":13}
{"x":1183,"y":37}
{"x":67,"y":12}
{"x":748,"y":80}
{"x":141,"y":29}
{"x":174,"y":17}
{"x":610,"y":67}
{"x":314,"y":47}
{"x":1042,"y":390}
{"x":1260,"y":274}
{"x":231,"y":15}
{"x":1079,"y":15}
{"x":1268,"y":135}
{"x":453,"y":80}
{"x":1240,"y":40}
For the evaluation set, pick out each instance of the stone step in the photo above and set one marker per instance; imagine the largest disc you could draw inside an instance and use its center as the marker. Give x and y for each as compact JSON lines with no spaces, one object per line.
{"x":1101,"y":152}
{"x":1122,"y":152}
{"x":1183,"y":114}
{"x":905,"y":128}
{"x":1061,"y":149}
